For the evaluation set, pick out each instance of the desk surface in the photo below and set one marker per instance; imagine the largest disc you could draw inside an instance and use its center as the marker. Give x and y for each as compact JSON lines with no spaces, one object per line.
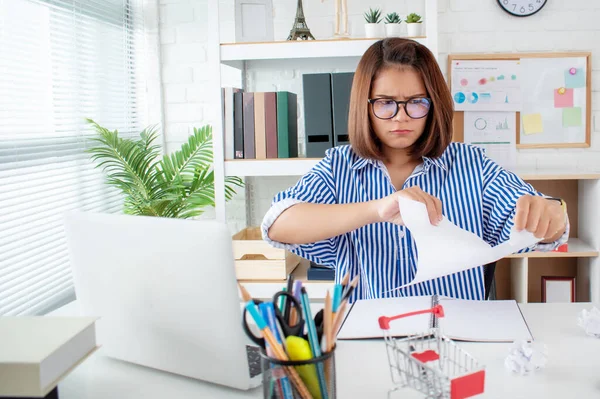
{"x":572,"y":369}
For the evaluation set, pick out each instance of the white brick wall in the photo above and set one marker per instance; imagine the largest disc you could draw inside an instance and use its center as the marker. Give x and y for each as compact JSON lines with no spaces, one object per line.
{"x":464,"y":26}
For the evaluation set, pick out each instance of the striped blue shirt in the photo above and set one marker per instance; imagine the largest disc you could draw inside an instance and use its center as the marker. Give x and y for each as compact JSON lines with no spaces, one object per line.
{"x":476,"y":194}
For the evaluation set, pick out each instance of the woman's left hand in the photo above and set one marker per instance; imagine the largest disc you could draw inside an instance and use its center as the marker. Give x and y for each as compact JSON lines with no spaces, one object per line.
{"x":543,"y":217}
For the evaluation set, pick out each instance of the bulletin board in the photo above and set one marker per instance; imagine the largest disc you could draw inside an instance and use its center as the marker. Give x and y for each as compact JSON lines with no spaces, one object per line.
{"x":550,"y":92}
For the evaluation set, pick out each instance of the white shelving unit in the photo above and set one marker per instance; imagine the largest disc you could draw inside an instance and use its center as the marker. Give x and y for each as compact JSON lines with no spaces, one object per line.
{"x":583,"y":246}
{"x":236,"y":54}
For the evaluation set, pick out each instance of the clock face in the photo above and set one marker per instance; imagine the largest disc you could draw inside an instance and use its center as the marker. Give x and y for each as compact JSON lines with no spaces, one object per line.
{"x":522,"y":8}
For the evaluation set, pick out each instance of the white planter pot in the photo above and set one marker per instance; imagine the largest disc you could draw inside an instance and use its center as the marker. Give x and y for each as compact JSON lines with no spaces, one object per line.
{"x":374,"y":30}
{"x":414,"y":29}
{"x":393,"y":30}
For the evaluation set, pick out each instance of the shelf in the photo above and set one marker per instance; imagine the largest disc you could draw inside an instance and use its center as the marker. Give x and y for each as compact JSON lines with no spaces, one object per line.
{"x":269,"y":167}
{"x":298,"y":49}
{"x":577,"y":249}
{"x":299,"y":166}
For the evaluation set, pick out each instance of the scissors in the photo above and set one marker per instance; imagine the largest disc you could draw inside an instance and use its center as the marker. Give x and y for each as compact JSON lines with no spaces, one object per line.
{"x":287,"y":329}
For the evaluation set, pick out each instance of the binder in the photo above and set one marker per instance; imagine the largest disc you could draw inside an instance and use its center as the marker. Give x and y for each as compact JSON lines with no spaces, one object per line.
{"x":318,"y":126}
{"x":341,"y":86}
{"x":271,"y":123}
{"x":248,"y":111}
{"x":260,"y":144}
{"x":238,"y":126}
{"x":287,"y":124}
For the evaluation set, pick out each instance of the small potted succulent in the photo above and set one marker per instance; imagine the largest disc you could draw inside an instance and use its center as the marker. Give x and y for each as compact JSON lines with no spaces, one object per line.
{"x":373,"y":28}
{"x":413,"y":24}
{"x":392,"y":25}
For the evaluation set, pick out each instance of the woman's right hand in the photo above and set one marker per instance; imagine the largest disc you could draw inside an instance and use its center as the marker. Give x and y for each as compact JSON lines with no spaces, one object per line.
{"x":388,"y":209}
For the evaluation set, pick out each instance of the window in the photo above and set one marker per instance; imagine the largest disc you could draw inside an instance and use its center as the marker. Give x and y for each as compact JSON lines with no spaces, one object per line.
{"x":61,"y":61}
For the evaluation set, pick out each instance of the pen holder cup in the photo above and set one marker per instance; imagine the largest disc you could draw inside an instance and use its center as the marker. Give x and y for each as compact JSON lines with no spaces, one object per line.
{"x":316,"y":376}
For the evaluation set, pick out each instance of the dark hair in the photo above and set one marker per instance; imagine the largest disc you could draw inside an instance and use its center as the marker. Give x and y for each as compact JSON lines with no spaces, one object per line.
{"x":408,"y":53}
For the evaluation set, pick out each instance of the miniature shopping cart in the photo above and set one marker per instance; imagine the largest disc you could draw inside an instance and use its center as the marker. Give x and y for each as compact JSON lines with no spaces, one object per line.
{"x":431,"y":363}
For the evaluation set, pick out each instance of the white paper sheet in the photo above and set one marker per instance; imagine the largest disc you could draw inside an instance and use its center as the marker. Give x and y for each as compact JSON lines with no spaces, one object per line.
{"x":446,"y":248}
{"x":496,"y":133}
{"x":491,"y":85}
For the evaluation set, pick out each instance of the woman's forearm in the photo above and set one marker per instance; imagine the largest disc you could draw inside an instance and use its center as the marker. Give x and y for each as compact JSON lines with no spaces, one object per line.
{"x":307,"y":223}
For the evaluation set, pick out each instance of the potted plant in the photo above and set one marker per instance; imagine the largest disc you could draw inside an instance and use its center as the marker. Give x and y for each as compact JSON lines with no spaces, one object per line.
{"x":392,"y":25}
{"x":413,"y":26}
{"x":179,"y":185}
{"x":372,"y":28}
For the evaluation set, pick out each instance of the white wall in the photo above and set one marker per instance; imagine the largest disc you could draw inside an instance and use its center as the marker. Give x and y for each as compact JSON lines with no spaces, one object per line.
{"x":464,"y":26}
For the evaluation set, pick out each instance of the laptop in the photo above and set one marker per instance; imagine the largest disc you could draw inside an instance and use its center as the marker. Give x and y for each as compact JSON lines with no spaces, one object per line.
{"x":166,"y":294}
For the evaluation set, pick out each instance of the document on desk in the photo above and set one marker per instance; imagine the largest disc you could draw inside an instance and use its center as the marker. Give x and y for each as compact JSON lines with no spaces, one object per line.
{"x":446,"y":248}
{"x":464,"y":320}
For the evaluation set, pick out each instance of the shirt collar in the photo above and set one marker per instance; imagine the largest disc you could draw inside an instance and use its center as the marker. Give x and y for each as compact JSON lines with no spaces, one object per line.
{"x":434,"y":161}
{"x":359,"y":163}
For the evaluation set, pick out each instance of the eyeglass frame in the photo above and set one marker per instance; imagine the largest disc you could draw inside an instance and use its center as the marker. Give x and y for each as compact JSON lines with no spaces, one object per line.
{"x":372,"y":101}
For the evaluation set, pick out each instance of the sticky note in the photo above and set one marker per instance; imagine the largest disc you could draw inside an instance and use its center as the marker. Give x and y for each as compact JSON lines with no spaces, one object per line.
{"x":575,"y":81}
{"x":564,"y":99}
{"x":532,"y":123}
{"x":571,"y":117}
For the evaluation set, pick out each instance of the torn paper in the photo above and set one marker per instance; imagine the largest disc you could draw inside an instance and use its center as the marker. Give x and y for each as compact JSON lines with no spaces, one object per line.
{"x":524,"y":357}
{"x":446,"y":248}
{"x":590,"y":321}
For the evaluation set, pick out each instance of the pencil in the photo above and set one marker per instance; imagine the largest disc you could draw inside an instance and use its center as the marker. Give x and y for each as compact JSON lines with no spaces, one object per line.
{"x":281,"y":355}
{"x":277,"y":349}
{"x":345,"y":279}
{"x":245,"y":294}
{"x":338,"y":319}
{"x":327,"y":323}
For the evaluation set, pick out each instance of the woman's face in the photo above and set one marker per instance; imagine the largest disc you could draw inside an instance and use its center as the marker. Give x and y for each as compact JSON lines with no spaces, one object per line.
{"x":400,"y":132}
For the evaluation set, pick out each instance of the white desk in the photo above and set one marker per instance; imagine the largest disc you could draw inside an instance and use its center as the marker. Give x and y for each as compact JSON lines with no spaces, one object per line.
{"x":573,"y":369}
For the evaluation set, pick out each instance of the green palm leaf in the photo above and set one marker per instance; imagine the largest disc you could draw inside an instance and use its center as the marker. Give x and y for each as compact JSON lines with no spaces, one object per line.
{"x":179,"y":185}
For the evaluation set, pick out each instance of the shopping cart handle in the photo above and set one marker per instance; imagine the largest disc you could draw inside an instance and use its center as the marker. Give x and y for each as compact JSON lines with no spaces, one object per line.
{"x":384,"y":321}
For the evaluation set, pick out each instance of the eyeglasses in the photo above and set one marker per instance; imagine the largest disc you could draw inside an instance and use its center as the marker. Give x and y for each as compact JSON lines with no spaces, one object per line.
{"x":386,"y":108}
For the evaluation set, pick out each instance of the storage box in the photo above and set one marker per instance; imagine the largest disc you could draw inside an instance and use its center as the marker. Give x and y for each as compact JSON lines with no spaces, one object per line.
{"x":255,"y":259}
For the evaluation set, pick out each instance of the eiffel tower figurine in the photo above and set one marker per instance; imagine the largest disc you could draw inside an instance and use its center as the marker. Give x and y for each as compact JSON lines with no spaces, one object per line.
{"x":300,"y":29}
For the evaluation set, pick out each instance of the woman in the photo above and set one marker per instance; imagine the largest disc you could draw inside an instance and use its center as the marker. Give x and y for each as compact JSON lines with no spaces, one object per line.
{"x":345,"y":213}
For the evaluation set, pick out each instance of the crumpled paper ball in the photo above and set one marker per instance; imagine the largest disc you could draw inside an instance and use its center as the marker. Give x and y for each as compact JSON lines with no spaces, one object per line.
{"x":590,"y":321}
{"x":525,"y":357}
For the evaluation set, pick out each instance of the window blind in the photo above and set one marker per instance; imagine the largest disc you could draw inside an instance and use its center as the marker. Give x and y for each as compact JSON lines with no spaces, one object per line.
{"x":61,"y":61}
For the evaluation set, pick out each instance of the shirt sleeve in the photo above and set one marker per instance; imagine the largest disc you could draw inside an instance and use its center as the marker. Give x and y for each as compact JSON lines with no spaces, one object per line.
{"x":318,"y":187}
{"x":501,"y":190}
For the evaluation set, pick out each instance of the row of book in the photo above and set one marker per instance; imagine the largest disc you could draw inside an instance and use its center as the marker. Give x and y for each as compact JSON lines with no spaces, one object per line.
{"x":260,"y":125}
{"x":263,"y":125}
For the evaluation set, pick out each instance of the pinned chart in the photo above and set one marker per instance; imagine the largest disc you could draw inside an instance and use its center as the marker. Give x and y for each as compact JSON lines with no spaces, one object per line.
{"x":486,"y":86}
{"x":550,"y":95}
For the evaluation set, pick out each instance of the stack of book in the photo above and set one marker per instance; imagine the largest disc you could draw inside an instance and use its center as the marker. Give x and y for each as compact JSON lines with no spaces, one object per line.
{"x":260,"y":125}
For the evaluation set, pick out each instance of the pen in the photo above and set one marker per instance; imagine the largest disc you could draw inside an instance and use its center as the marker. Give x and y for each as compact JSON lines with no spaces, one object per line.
{"x":313,"y":341}
{"x":283,"y":384}
{"x":296,"y":292}
{"x":288,"y":305}
{"x":277,"y":349}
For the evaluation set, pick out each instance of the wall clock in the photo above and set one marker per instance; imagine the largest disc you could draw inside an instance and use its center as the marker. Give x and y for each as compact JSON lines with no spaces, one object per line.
{"x":522,"y":8}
